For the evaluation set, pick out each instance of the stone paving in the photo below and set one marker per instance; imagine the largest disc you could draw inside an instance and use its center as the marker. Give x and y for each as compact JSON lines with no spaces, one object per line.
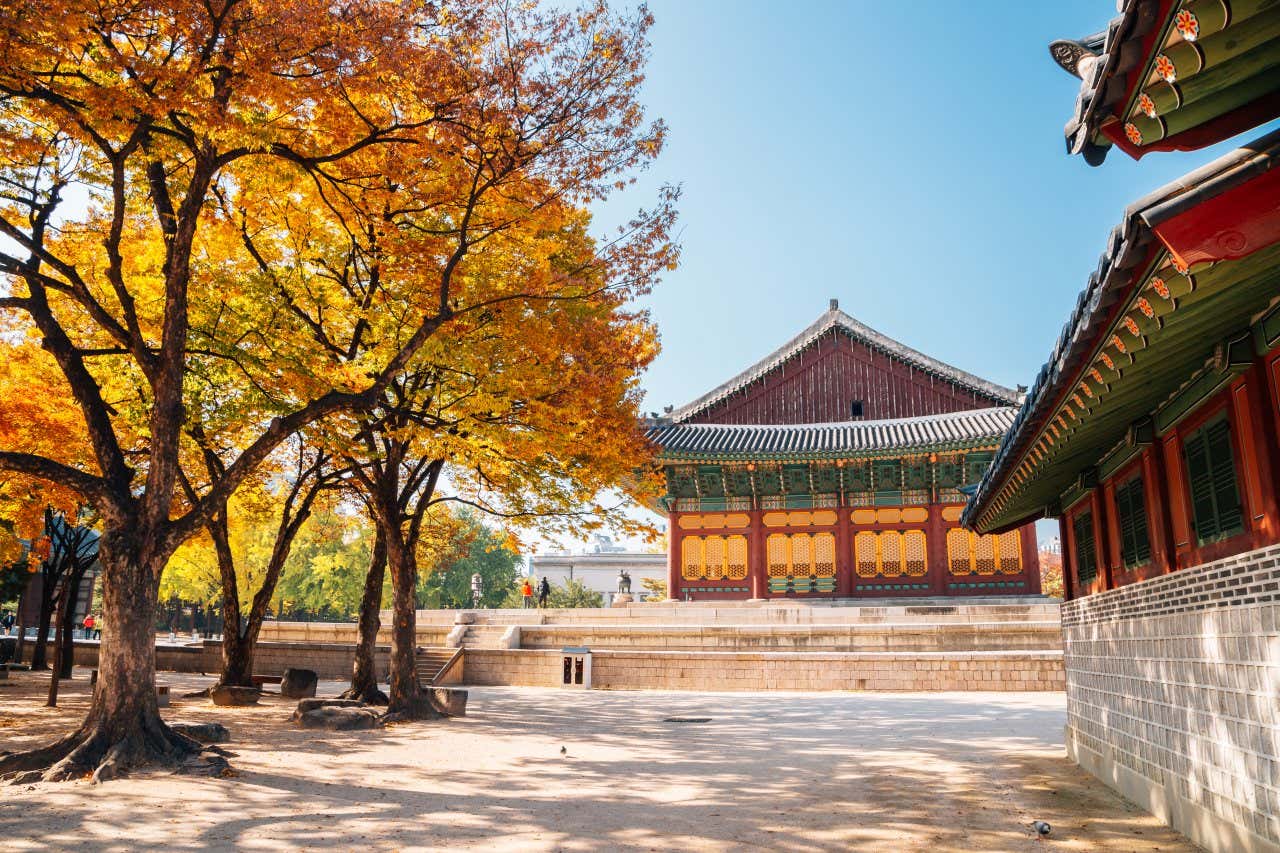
{"x":777,"y":771}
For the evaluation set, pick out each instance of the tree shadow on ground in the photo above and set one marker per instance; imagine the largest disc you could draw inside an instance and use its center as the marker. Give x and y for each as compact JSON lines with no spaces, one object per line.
{"x":780,"y":771}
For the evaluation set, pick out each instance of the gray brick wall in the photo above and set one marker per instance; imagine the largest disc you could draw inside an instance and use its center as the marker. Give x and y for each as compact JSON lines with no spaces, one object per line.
{"x":1173,"y":685}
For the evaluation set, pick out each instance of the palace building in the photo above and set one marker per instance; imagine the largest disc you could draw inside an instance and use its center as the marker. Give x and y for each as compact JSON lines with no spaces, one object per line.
{"x":835,"y":467}
{"x":1153,"y":431}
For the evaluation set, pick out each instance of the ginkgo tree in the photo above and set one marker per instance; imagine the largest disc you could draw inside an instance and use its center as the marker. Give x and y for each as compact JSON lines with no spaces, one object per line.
{"x":217,"y":142}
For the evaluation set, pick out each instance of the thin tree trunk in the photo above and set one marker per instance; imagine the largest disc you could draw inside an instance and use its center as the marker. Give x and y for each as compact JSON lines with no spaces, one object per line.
{"x":64,"y":652}
{"x":39,"y":655}
{"x":364,"y":671}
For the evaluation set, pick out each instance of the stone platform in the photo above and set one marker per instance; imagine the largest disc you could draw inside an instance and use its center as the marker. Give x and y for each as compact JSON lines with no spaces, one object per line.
{"x":903,"y":644}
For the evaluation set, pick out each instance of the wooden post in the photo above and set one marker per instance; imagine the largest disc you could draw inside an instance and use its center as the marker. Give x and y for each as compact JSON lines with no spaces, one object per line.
{"x":1031,"y":558}
{"x":1255,"y":457}
{"x":936,"y":551}
{"x":844,"y":552}
{"x":673,"y":556}
{"x":1100,"y":533}
{"x":1068,"y":581}
{"x":756,"y":556}
{"x":1156,"y":500}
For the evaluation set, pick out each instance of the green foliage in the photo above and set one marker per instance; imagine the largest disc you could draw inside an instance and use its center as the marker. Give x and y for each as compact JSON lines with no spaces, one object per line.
{"x":574,"y":594}
{"x":324,"y":575}
{"x":13,"y":582}
{"x":445,"y":582}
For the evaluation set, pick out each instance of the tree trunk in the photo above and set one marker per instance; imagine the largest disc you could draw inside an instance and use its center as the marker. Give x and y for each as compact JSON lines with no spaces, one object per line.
{"x":364,"y":672}
{"x":39,"y":655}
{"x":404,"y":695}
{"x":123,"y":727}
{"x":64,"y":652}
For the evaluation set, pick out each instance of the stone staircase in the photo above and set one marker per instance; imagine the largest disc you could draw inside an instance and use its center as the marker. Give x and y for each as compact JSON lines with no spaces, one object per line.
{"x":483,"y":636}
{"x":431,"y":663}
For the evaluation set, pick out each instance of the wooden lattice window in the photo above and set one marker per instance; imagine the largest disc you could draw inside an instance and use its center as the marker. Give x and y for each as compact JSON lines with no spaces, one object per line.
{"x":984,"y":554}
{"x":891,"y":554}
{"x":1131,"y":512}
{"x":1211,"y":477}
{"x":713,"y":559}
{"x":1086,"y":555}
{"x":916,"y":552}
{"x":864,"y":549}
{"x":824,"y":555}
{"x":779,"y":557}
{"x":1009,"y":546}
{"x":958,"y":557}
{"x":736,"y":557}
{"x":691,"y":558}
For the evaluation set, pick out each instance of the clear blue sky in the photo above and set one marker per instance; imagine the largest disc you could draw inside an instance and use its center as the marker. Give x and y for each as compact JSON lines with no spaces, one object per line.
{"x":905,"y":158}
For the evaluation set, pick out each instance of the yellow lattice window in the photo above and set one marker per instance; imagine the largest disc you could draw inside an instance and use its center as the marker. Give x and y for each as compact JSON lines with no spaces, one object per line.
{"x":864,"y":547}
{"x":968,"y":553}
{"x":891,"y":554}
{"x":736,"y":547}
{"x":984,"y":552}
{"x":801,"y":555}
{"x":713,"y":561}
{"x":691,"y":558}
{"x":779,"y":555}
{"x":914,"y":545}
{"x":959,"y":553}
{"x":1010,"y":549}
{"x":824,"y":555}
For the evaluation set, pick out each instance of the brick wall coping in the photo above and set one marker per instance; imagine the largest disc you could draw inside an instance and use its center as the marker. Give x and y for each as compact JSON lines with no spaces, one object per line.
{"x":1031,"y":654}
{"x":1250,"y":578}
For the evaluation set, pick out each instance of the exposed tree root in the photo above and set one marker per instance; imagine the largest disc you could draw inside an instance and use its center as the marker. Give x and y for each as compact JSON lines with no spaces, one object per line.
{"x":370,"y":696}
{"x":102,"y":753}
{"x":418,"y":709}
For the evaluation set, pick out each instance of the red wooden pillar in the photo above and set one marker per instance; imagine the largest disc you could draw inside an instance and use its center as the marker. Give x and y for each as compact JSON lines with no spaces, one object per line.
{"x":1064,"y":551}
{"x":1113,"y":547}
{"x":1031,"y":558}
{"x":757,"y":559}
{"x":1156,"y":500}
{"x":1102,"y":553}
{"x":1256,"y":456}
{"x":1178,"y":503}
{"x":936,"y":551}
{"x":673,"y":555}
{"x":844,"y":552}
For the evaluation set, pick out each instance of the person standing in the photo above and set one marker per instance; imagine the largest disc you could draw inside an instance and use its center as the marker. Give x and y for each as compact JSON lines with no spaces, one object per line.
{"x":544,"y":592}
{"x":6,"y":622}
{"x":88,"y":626}
{"x":526,"y":589}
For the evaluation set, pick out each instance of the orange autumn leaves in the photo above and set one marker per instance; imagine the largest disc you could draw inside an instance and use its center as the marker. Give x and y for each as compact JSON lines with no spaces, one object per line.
{"x":373,"y":165}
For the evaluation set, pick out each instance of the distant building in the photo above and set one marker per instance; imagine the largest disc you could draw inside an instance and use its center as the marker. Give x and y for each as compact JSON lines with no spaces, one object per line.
{"x":599,"y":571}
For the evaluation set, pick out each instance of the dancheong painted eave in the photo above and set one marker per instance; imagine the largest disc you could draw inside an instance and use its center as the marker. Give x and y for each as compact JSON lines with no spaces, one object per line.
{"x":1188,"y":271}
{"x":1173,"y":75}
{"x":979,"y":428}
{"x":835,"y":320}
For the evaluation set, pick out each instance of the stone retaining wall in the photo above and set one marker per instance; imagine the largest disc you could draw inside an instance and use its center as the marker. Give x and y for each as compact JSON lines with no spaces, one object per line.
{"x":946,"y":637}
{"x":649,"y":670}
{"x":328,"y":660}
{"x":1173,"y":697}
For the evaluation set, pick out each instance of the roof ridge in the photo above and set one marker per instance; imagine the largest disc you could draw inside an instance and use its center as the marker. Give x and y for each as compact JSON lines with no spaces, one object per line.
{"x":881,"y":422}
{"x":834,"y":318}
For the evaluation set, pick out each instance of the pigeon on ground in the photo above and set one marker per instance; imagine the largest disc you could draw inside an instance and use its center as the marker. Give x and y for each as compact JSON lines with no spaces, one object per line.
{"x":1041,"y":827}
{"x":565,"y":751}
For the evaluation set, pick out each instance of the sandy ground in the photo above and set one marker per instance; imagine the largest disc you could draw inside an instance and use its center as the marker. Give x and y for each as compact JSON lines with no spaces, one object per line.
{"x":779,"y":771}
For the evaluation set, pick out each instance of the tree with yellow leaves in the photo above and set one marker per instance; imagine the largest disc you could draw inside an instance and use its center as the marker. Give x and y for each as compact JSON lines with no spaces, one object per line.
{"x":219,"y":143}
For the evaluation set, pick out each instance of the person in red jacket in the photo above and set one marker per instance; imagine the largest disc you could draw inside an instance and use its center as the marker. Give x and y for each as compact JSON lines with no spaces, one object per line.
{"x":527,"y":591}
{"x":88,"y":625}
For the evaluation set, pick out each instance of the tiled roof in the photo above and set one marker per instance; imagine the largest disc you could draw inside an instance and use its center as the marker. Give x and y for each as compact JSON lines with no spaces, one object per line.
{"x":1128,"y":244}
{"x":837,"y":319}
{"x":852,"y":438}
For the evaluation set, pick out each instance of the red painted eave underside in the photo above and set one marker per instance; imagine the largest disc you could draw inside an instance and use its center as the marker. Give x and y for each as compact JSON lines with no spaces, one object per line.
{"x":1227,"y":227}
{"x":1212,"y":132}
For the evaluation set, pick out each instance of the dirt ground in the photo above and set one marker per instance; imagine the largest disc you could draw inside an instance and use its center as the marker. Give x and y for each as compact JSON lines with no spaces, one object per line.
{"x":777,"y":771}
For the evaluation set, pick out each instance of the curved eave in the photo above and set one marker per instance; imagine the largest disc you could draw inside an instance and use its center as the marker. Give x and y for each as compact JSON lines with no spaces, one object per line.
{"x":1062,"y":428}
